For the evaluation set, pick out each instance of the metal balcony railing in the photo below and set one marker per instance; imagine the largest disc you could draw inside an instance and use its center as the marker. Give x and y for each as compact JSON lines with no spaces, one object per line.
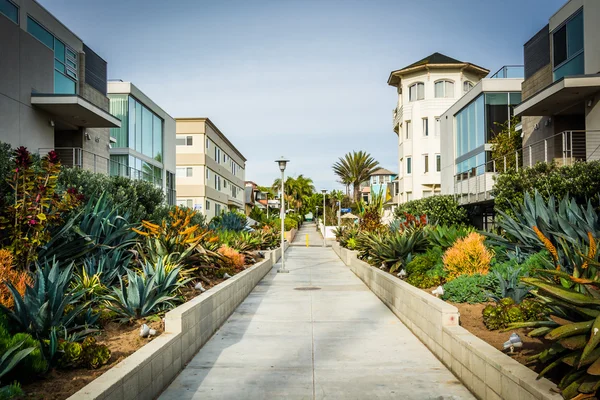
{"x":76,"y":157}
{"x":476,"y":184}
{"x":509,"y":71}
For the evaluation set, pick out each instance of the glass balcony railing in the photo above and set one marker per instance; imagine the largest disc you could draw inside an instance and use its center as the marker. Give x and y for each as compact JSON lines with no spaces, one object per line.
{"x":510,"y":71}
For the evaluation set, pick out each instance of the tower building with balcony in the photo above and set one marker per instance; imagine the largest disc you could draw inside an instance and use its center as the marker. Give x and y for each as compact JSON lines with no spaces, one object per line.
{"x":426,"y":89}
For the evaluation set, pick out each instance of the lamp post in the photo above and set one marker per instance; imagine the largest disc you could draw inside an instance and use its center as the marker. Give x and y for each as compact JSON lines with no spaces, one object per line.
{"x":339,"y":213}
{"x":324,"y":191}
{"x":282,"y":162}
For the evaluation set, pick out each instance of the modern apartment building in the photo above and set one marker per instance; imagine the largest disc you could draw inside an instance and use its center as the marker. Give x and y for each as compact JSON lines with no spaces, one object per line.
{"x":52,"y":88}
{"x":210,"y":170}
{"x":144,"y":145}
{"x":561,"y":91}
{"x":467,"y":168}
{"x":425,"y":91}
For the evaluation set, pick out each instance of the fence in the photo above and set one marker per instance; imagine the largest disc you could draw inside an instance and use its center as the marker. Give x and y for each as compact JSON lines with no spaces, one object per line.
{"x":477,"y":183}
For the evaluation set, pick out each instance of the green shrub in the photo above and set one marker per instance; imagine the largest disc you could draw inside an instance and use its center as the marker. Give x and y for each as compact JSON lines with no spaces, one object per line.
{"x":424,"y":262}
{"x":467,"y":289}
{"x":580,"y":181}
{"x":440,"y":210}
{"x":34,"y":364}
{"x":229,"y":221}
{"x":445,"y":236}
{"x":506,"y":312}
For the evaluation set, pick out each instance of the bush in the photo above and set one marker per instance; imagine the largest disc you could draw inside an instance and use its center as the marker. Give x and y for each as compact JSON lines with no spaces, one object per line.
{"x":467,"y":289}
{"x":468,"y":256}
{"x":8,"y":273}
{"x":139,"y":199}
{"x":580,"y":181}
{"x":229,"y":221}
{"x":506,"y":312}
{"x":440,"y":210}
{"x":32,"y":365}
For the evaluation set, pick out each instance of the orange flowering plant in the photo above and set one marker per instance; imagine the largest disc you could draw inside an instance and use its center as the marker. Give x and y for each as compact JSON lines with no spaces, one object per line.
{"x":468,"y":256}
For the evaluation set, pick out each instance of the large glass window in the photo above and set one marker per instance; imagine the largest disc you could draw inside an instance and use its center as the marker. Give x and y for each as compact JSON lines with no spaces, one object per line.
{"x":118,"y":108}
{"x":145,"y":129}
{"x":9,"y":9}
{"x":416,"y":91}
{"x":470,"y":127}
{"x":147,"y":132}
{"x":567,"y":42}
{"x":444,"y":89}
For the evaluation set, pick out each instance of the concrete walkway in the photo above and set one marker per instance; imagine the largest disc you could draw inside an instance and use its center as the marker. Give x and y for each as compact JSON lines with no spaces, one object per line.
{"x":338,"y":342}
{"x":314,"y":236}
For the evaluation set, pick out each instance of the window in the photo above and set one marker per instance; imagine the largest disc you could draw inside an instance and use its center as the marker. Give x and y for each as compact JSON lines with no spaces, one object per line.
{"x":189,"y":203}
{"x":426,"y":162}
{"x":207,"y":144}
{"x":184,"y":141}
{"x":65,"y":59}
{"x":183,"y":172}
{"x":207,"y":205}
{"x":467,"y":85}
{"x":444,"y":89}
{"x":224,"y":183}
{"x":438,"y":163}
{"x":438,"y":126}
{"x":217,"y":154}
{"x":416,"y":91}
{"x":425,"y":126}
{"x":217,"y":209}
{"x":408,"y":130}
{"x":10,"y":10}
{"x":409,"y":196}
{"x":225,"y":158}
{"x":207,"y":174}
{"x":217,"y":182}
{"x":408,"y":165}
{"x":233,"y":191}
{"x":567,"y":43}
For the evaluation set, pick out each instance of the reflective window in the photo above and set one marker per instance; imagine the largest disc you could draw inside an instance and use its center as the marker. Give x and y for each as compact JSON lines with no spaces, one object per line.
{"x":444,"y":89}
{"x":470,"y":127}
{"x":567,"y":43}
{"x":183,"y":140}
{"x":426,"y":162}
{"x":408,"y":165}
{"x":416,"y":92}
{"x":438,"y":163}
{"x":145,"y":130}
{"x":40,"y":33}
{"x":10,"y":10}
{"x":425,"y":126}
{"x":62,"y":84}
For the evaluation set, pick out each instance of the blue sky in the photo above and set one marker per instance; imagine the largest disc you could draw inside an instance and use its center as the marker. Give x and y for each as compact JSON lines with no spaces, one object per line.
{"x":304,"y":79}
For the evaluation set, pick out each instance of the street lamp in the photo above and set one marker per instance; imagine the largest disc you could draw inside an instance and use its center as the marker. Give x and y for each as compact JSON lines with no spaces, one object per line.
{"x":282,"y":162}
{"x":324,"y":191}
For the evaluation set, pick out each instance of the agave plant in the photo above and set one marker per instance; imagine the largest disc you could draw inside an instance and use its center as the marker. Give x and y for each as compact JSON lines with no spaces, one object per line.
{"x":43,"y":307}
{"x":390,"y":250}
{"x":445,"y":236}
{"x":8,"y":361}
{"x":539,"y":224}
{"x":90,"y":285}
{"x":229,"y":221}
{"x":139,"y":297}
{"x":108,"y":265}
{"x":572,"y":327}
{"x":508,"y":286}
{"x":166,"y":275}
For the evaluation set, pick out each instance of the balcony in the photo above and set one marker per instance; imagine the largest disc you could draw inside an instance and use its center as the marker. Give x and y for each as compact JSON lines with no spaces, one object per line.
{"x":565,"y":148}
{"x":510,"y":71}
{"x":397,"y":116}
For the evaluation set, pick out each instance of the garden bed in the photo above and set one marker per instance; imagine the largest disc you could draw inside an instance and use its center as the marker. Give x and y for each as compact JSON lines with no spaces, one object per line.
{"x":484,"y":370}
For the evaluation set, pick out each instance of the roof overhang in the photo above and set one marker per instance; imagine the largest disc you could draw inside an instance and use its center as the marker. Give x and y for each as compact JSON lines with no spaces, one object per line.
{"x":560,"y":96}
{"x":396,"y":76}
{"x":75,"y":110}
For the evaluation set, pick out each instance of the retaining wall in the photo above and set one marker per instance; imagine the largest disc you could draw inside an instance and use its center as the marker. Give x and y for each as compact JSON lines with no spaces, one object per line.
{"x":144,"y":374}
{"x":485,"y":371}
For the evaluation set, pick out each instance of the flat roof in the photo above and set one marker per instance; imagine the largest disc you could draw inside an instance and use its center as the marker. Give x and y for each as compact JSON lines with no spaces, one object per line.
{"x":75,"y":110}
{"x":217,"y":130}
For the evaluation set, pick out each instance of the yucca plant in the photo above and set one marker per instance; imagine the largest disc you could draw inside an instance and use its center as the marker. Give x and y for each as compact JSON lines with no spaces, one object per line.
{"x":90,"y":285}
{"x":43,"y":307}
{"x":139,"y":297}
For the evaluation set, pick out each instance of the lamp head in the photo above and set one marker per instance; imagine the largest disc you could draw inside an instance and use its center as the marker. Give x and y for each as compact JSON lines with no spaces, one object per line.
{"x":282,"y":162}
{"x":323,"y":191}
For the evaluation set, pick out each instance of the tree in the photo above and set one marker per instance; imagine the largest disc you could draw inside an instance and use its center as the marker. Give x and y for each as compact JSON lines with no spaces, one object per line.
{"x":505,"y":144}
{"x":296,"y":190}
{"x":355,"y":168}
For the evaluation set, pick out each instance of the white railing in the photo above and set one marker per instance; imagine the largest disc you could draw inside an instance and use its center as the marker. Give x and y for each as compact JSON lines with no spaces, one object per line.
{"x":476,"y":184}
{"x":397,"y":116}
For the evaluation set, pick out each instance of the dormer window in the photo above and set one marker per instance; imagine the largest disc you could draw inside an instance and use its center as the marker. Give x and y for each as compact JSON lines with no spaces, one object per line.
{"x":416,"y":91}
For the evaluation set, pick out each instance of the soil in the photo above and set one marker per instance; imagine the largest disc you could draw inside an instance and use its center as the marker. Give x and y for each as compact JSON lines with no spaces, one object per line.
{"x":122,"y":340}
{"x":471,"y":320}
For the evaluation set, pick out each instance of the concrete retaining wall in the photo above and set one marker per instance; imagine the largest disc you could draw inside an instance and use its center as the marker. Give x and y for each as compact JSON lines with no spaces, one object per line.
{"x":144,"y":374}
{"x":290,"y":235}
{"x":485,"y":371}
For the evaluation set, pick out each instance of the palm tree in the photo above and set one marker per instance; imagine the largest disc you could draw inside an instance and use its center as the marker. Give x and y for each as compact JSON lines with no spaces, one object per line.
{"x":296,"y":190}
{"x":355,"y":168}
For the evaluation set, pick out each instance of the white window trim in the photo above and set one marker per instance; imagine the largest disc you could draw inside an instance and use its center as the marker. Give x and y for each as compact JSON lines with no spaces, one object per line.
{"x":445,"y":96}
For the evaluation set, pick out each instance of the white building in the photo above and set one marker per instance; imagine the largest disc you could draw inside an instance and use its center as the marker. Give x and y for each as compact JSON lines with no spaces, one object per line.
{"x":426,"y":89}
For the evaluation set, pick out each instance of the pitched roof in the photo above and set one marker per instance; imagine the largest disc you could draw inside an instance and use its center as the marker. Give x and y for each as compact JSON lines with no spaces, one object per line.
{"x":434,"y":60}
{"x":383,"y":171}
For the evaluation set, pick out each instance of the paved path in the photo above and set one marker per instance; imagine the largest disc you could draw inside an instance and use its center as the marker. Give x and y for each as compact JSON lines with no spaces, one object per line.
{"x":314,"y":236}
{"x":339,"y":342}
